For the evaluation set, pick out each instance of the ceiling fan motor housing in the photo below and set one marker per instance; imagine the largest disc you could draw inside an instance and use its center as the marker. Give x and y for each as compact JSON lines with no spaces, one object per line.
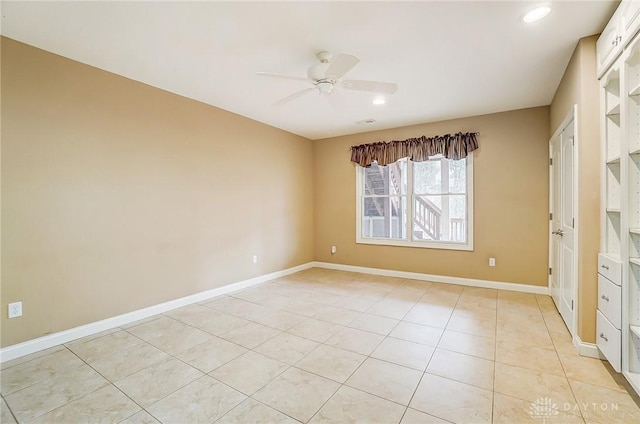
{"x":317,"y":71}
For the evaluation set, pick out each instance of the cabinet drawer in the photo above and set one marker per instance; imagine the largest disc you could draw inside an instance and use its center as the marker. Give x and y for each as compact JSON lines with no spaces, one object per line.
{"x":609,"y":301}
{"x":608,"y":340}
{"x":610,"y":268}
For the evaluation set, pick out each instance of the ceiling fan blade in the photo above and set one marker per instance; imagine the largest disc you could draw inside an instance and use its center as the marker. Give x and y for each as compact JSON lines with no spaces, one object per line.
{"x":294,"y":96}
{"x":281,"y":76}
{"x":374,"y":86}
{"x":341,"y":65}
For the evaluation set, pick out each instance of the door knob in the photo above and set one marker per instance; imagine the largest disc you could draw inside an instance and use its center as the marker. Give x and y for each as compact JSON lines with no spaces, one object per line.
{"x":558,"y":233}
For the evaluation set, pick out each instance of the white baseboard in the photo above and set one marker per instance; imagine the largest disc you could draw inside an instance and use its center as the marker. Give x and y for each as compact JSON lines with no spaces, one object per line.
{"x":587,"y":349}
{"x":31,"y":346}
{"x":500,"y":285}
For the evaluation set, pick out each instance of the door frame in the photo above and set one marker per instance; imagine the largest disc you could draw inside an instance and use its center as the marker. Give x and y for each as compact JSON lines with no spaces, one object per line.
{"x":572,"y":115}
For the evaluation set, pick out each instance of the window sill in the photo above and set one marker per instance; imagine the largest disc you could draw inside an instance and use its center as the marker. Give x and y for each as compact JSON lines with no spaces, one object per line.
{"x":418,"y":244}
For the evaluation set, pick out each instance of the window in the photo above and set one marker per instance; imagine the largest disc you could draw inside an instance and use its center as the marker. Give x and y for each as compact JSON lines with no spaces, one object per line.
{"x":419,"y":204}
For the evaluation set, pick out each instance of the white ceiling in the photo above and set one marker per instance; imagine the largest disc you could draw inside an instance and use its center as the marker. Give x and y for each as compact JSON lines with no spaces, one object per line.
{"x":450,"y":59}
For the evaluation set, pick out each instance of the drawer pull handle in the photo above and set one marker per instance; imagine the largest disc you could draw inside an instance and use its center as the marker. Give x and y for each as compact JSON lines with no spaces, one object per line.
{"x":605,"y":267}
{"x":605,"y":298}
{"x":603,"y":337}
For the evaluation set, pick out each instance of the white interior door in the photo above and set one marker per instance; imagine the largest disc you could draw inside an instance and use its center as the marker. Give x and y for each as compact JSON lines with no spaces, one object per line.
{"x":555,"y":201}
{"x":566,"y":228}
{"x":562,"y":275}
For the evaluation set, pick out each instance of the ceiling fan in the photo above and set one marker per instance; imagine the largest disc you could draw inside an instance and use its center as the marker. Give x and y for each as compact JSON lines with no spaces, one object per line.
{"x":327,"y":74}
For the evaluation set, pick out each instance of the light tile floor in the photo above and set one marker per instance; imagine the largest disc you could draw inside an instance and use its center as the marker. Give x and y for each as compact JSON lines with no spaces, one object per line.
{"x":326,"y":346}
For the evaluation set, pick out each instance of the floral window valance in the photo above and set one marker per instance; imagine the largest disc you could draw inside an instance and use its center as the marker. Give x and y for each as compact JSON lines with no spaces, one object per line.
{"x":451,"y":146}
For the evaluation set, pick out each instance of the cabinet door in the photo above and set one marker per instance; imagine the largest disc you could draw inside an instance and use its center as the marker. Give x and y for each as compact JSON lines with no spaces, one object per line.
{"x":630,"y":19}
{"x":608,"y":46}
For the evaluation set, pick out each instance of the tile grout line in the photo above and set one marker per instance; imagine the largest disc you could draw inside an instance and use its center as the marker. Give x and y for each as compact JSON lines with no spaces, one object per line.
{"x":360,"y":365}
{"x":171,"y":356}
{"x":105,"y":378}
{"x":535,"y":370}
{"x":6,"y":367}
{"x":9,"y":408}
{"x":495,"y":360}
{"x":260,"y":402}
{"x":112,"y":383}
{"x":142,"y":340}
{"x":423,"y":372}
{"x":289,"y":366}
{"x":63,"y":372}
{"x":564,"y":371}
{"x":431,"y":358}
{"x":279,"y":310}
{"x":350,"y":375}
{"x":293,"y":366}
{"x":556,"y":313}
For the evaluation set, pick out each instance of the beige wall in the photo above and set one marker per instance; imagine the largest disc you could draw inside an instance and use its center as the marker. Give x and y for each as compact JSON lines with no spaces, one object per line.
{"x":579,"y":86}
{"x":511,"y":201}
{"x":117,"y":195}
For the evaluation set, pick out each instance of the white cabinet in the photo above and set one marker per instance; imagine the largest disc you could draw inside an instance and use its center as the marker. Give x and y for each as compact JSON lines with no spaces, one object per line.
{"x":609,"y":317}
{"x":620,"y":30}
{"x":631,"y":214}
{"x":618,"y":317}
{"x":611,"y":184}
{"x":608,"y":46}
{"x":608,"y":340}
{"x":610,"y":301}
{"x":610,"y":268}
{"x":630,"y":19}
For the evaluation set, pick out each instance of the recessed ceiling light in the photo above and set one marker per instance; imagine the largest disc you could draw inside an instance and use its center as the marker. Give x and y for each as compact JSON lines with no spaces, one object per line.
{"x":379,"y":101}
{"x":536,"y":14}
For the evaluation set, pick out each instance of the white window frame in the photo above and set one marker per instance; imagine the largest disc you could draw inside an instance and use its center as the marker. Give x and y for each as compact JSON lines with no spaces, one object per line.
{"x":409,"y":241}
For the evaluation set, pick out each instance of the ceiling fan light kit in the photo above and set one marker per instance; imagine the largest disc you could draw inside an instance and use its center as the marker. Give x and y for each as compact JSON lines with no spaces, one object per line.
{"x":326,"y":76}
{"x":325,"y":87}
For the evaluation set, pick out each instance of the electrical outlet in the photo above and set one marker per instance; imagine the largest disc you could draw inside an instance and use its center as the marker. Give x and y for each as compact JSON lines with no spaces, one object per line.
{"x":333,"y":250}
{"x":255,"y":259}
{"x":492,"y":261}
{"x":15,"y":309}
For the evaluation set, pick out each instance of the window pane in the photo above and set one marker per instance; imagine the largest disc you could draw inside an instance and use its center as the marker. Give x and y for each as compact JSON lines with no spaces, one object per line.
{"x":436,"y":195}
{"x":441,"y":218}
{"x":427,"y":217}
{"x":458,"y":176}
{"x":386,"y":180}
{"x":458,"y":218}
{"x":384,"y":217}
{"x":427,"y":177}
